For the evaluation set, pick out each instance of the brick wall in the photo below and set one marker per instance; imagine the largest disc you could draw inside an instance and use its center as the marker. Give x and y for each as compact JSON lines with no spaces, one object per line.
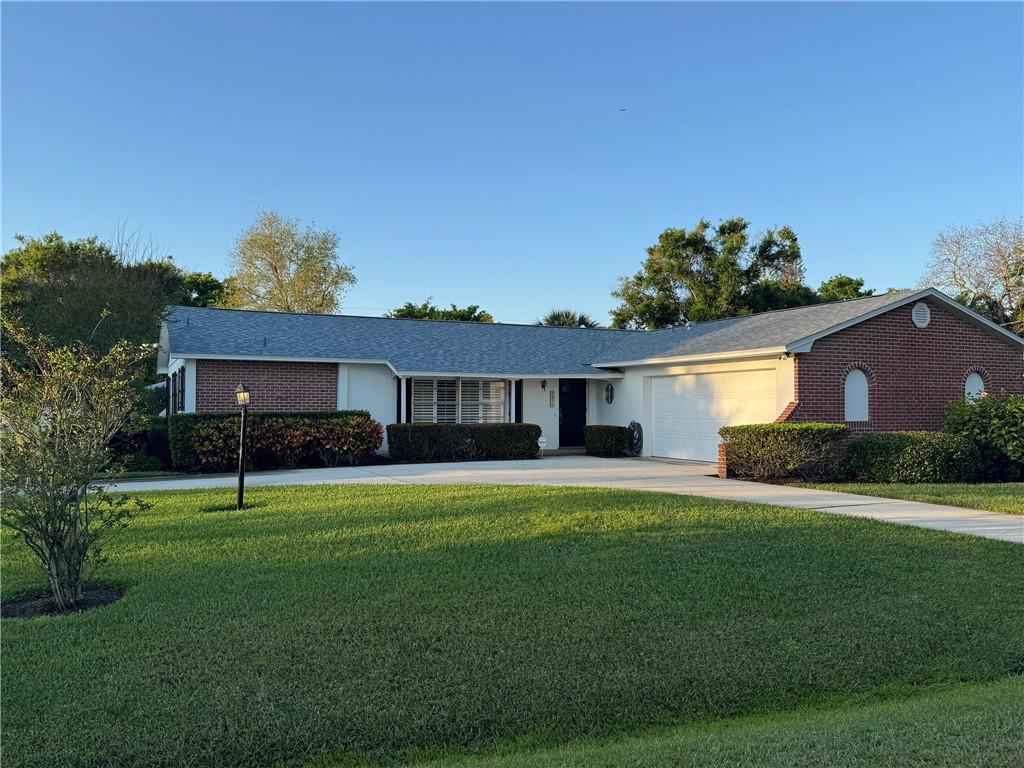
{"x":274,"y":386}
{"x":913,"y":373}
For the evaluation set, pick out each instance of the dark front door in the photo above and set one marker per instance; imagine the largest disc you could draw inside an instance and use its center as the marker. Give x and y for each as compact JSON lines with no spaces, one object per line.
{"x":572,"y":411}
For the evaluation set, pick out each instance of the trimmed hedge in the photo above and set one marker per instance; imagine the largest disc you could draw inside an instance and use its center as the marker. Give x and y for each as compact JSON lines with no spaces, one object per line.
{"x":788,"y":449}
{"x":996,"y":425}
{"x":462,"y":442}
{"x":912,"y":457}
{"x":606,"y":440}
{"x":208,"y":442}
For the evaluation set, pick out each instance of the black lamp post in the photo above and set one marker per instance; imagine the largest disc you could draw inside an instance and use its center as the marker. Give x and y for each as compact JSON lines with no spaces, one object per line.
{"x":242,"y":396}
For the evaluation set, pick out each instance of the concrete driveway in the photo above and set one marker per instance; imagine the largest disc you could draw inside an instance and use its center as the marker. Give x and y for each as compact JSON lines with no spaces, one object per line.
{"x":690,"y":478}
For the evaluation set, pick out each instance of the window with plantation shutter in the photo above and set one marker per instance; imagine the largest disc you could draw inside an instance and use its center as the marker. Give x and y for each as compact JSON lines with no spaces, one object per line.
{"x":469,"y":404}
{"x":492,"y":401}
{"x":461,"y":401}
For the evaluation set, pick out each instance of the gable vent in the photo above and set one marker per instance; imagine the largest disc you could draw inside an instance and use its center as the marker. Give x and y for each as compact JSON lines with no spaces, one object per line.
{"x":921,"y":315}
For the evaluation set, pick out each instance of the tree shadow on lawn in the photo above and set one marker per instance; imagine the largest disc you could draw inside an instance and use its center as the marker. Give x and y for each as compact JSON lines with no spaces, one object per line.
{"x":387,"y":641}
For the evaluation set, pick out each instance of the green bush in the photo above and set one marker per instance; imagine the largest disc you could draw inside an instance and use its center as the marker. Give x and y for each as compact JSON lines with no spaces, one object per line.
{"x":141,"y":462}
{"x":788,"y":449}
{"x":208,"y":442}
{"x":605,"y":440}
{"x":996,"y":425}
{"x":912,"y":457}
{"x":462,"y":442}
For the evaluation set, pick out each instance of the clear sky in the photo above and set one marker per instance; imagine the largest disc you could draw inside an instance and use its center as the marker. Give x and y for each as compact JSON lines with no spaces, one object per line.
{"x":481,"y":154}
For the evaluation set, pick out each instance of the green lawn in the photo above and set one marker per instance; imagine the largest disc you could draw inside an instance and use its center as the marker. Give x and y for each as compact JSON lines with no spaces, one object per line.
{"x":391,"y":623}
{"x":963,"y":727}
{"x":997,"y":497}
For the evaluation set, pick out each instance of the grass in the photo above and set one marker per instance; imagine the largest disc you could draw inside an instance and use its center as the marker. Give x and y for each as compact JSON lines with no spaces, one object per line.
{"x":394,"y":623}
{"x":961,"y":727}
{"x":997,"y":497}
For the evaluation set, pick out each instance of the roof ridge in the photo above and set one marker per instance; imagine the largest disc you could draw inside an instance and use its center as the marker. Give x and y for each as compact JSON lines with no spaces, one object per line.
{"x":790,"y":309}
{"x":405,"y":319}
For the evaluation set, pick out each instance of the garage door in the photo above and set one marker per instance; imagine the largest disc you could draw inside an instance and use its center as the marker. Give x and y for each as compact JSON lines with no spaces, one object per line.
{"x":687,"y":411}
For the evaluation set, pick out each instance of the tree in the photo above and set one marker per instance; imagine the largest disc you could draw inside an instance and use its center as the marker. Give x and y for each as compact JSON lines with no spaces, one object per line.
{"x":59,"y":288}
{"x":841,"y":287}
{"x":276,"y":266}
{"x":59,"y":416}
{"x":711,"y":272}
{"x":983,"y":266}
{"x":567,"y":318}
{"x":428,"y":311}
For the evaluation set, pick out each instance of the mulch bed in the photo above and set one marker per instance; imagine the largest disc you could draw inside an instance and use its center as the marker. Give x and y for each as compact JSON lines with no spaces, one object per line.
{"x":44,"y":606}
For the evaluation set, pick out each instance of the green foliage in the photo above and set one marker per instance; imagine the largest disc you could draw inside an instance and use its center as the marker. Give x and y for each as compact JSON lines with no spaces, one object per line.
{"x":568,"y":318}
{"x":89,"y":292}
{"x":912,"y":457}
{"x":276,"y":266}
{"x":996,"y":425}
{"x":841,"y":287}
{"x":778,"y":451}
{"x":389,"y":623}
{"x":606,"y":440}
{"x":428,"y":311}
{"x":462,"y":442}
{"x":208,"y":442}
{"x":59,"y":415}
{"x":711,"y":272}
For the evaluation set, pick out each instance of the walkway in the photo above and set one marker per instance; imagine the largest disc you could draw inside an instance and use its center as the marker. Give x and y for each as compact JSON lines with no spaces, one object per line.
{"x":691,"y":478}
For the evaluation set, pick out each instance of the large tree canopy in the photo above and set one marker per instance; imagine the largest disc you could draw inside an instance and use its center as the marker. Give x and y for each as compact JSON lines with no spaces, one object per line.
{"x":568,"y":318}
{"x":983,"y":266}
{"x":277,"y":266}
{"x":88,"y":291}
{"x":710,"y":272}
{"x":842,"y":287}
{"x":428,"y":311}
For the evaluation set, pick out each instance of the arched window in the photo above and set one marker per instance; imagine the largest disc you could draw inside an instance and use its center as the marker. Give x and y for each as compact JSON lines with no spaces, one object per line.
{"x":974,"y":385}
{"x":856,"y":396}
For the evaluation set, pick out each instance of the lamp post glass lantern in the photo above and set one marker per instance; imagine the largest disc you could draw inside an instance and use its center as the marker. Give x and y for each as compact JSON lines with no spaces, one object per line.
{"x":242,"y":398}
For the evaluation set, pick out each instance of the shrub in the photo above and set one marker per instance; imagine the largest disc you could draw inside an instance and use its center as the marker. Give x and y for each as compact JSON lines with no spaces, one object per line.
{"x":141,"y":462}
{"x":208,"y":442}
{"x":58,"y":419}
{"x":912,"y":457}
{"x":462,"y":442}
{"x":996,"y":425}
{"x":605,"y":440}
{"x":788,"y":449}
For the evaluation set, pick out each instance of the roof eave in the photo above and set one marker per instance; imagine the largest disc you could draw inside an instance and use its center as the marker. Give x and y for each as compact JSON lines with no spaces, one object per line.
{"x":710,"y":357}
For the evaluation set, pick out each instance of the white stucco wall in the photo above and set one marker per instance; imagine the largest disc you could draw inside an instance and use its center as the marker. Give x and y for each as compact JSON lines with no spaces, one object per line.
{"x":371,"y":388}
{"x":633,"y":392}
{"x":540,"y":407}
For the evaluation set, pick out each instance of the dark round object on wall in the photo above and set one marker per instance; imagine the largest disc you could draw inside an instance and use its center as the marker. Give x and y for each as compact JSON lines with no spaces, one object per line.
{"x":636,"y":439}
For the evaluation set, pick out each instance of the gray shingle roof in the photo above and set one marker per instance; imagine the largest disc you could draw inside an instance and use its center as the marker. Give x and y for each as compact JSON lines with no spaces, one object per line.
{"x":764,"y":330}
{"x":424,"y":346}
{"x":433,"y":346}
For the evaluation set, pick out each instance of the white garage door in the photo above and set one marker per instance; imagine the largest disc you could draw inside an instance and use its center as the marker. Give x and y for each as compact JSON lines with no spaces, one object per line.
{"x":687,"y":411}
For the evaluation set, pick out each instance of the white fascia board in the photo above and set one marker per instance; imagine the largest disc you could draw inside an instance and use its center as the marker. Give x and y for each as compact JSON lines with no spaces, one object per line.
{"x":479,"y":375}
{"x":711,"y":357}
{"x":805,"y":344}
{"x":286,"y":359}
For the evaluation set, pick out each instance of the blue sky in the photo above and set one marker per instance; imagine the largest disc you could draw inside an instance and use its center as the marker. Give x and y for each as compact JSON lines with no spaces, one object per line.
{"x":479,"y":154}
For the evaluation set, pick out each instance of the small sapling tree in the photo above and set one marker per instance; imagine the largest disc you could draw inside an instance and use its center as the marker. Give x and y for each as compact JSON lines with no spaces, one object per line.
{"x":57,"y":417}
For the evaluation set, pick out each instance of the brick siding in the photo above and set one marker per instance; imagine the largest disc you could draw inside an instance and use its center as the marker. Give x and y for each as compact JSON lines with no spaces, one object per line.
{"x":274,"y":386}
{"x":913,"y":373}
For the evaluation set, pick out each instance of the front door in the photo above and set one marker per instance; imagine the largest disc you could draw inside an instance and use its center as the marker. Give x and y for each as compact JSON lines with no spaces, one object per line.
{"x":572,"y":411}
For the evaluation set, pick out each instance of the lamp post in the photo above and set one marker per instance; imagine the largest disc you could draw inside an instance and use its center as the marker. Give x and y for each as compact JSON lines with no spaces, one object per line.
{"x":242,"y":396}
